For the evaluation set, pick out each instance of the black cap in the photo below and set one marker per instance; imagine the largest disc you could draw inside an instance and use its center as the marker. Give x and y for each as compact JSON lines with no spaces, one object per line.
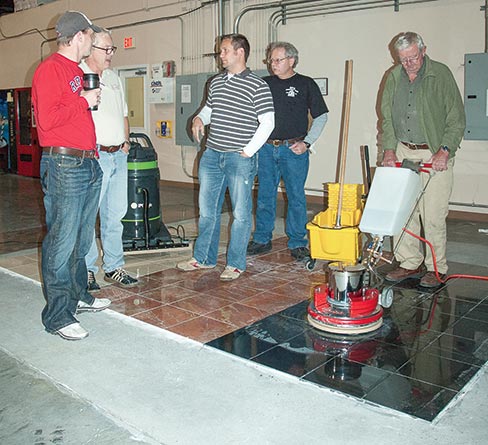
{"x":72,"y":22}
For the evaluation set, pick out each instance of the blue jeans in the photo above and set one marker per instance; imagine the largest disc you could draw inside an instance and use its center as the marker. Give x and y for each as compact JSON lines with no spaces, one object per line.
{"x":217,"y":172}
{"x":113,"y":207}
{"x":71,"y":188}
{"x":276,"y":163}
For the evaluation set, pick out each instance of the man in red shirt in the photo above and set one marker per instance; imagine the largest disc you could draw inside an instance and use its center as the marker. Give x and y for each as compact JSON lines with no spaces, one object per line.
{"x":70,"y":176}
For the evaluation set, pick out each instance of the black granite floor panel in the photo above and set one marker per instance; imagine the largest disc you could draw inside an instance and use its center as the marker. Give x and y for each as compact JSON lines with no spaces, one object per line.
{"x":431,"y":344}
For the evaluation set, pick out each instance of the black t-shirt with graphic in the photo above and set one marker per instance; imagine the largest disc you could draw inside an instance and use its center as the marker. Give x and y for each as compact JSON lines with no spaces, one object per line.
{"x":293,"y":98}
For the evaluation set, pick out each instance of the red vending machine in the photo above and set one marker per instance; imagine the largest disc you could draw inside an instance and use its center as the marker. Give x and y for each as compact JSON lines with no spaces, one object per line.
{"x":28,"y":150}
{"x":8,"y":155}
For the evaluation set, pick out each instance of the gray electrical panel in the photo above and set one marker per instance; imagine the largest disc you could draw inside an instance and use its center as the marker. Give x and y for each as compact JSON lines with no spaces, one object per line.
{"x":190,"y":97}
{"x":476,"y":96}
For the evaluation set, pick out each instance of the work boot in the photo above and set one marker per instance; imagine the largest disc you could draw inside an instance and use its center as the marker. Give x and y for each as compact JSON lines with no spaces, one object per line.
{"x":400,"y":274}
{"x":300,"y":253}
{"x":430,"y":280}
{"x":254,"y":248}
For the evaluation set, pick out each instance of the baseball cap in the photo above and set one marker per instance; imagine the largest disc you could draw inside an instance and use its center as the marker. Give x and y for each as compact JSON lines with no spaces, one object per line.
{"x":72,"y":22}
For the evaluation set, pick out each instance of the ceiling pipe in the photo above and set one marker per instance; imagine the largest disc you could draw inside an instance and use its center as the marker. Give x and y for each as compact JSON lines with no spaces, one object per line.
{"x":279,"y":4}
{"x":281,"y":16}
{"x":221,"y":17}
{"x":327,"y":9}
{"x":285,"y":6}
{"x":485,"y":8}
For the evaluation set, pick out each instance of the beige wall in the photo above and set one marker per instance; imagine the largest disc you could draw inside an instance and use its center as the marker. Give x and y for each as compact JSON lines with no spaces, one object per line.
{"x":450,"y":29}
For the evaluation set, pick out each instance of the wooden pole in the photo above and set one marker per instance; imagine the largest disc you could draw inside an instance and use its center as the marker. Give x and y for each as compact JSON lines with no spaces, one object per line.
{"x":346,"y":110}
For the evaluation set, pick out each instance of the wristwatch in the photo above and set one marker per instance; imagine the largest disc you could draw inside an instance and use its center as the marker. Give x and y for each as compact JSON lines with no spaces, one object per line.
{"x":445,"y":148}
{"x":307,"y":144}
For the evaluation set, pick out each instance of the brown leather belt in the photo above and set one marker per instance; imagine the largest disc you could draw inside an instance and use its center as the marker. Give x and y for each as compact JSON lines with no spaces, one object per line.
{"x":89,"y":154}
{"x":278,"y":142}
{"x":110,"y":148}
{"x":416,"y":146}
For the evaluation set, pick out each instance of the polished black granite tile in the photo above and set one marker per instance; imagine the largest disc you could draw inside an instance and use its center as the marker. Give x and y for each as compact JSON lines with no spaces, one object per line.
{"x":479,"y":312}
{"x":348,"y":377}
{"x":292,"y":359}
{"x":466,"y":350}
{"x":261,"y":336}
{"x":429,"y":347}
{"x":411,"y":396}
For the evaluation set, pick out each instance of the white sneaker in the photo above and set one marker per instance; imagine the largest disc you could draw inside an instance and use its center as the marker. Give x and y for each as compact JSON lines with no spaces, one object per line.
{"x":73,"y":331}
{"x":192,"y":264}
{"x":230,"y":273}
{"x":99,"y":304}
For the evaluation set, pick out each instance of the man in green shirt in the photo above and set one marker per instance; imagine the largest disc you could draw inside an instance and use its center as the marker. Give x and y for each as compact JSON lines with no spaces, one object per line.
{"x":422,"y":118}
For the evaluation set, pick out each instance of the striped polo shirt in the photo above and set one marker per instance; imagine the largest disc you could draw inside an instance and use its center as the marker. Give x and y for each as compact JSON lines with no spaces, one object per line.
{"x":236,"y":102}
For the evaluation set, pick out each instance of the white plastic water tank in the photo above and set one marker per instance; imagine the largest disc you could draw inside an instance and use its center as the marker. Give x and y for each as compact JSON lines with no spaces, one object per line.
{"x":390,"y":202}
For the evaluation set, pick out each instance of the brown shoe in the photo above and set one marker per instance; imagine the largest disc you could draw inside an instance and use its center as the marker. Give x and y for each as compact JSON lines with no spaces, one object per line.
{"x":400,"y":274}
{"x":430,"y":279}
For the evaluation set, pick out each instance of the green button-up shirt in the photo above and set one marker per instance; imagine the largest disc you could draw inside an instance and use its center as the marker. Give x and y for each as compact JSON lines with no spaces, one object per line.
{"x":439,"y":106}
{"x":404,"y":110}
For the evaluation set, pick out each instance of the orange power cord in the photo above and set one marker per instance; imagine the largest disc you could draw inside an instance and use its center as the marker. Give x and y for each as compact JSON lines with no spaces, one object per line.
{"x":473,"y":277}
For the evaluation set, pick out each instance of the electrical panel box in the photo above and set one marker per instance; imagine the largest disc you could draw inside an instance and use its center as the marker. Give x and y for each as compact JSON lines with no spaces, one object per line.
{"x":476,"y":96}
{"x":190,"y":98}
{"x":191,"y":93}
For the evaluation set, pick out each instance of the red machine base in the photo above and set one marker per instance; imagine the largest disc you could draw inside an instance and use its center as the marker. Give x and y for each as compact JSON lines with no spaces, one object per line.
{"x":361,"y":312}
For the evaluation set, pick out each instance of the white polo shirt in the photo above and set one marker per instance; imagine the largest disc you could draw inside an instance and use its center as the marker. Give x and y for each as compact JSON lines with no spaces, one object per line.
{"x":112,"y":109}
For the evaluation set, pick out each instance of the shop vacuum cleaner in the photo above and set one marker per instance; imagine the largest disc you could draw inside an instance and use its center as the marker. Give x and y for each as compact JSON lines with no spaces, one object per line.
{"x":144,"y":229}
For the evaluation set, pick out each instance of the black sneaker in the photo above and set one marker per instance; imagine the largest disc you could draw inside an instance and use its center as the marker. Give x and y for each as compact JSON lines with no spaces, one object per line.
{"x":254,"y":248}
{"x":93,"y":286}
{"x":300,"y":253}
{"x":120,"y":276}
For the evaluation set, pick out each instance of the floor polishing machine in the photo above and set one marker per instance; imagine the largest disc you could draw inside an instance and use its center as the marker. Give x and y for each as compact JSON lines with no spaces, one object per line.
{"x":351,"y":302}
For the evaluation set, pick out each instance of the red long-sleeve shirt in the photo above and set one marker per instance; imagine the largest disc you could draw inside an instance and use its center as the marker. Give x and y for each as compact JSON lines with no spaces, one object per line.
{"x":62,"y":115}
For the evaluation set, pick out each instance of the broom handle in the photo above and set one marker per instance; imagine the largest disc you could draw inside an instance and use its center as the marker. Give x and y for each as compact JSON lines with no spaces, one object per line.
{"x":344,"y":134}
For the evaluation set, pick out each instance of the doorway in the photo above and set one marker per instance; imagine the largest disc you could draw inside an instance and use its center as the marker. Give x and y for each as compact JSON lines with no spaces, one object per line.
{"x":134,"y":81}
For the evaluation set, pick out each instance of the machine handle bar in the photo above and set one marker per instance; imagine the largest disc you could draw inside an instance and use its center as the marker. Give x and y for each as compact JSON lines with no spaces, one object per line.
{"x":415,"y":166}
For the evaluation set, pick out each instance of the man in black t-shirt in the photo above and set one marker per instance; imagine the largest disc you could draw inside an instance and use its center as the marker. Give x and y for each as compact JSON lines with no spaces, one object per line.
{"x":286,"y":153}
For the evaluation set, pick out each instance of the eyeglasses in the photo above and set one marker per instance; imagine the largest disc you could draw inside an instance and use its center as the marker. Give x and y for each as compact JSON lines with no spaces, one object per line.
{"x":412,"y":59}
{"x":108,"y":51}
{"x":271,"y":61}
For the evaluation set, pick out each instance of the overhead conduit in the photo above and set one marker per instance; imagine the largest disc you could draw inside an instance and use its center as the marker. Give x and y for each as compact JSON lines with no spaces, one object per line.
{"x":295,"y":9}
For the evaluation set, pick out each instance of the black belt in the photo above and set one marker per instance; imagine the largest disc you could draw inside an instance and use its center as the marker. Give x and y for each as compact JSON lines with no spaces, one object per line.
{"x":89,"y":154}
{"x":416,"y":146}
{"x":110,"y":148}
{"x":278,"y":142}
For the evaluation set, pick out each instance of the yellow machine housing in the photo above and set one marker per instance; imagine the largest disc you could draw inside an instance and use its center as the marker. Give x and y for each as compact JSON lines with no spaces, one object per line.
{"x":343,"y":243}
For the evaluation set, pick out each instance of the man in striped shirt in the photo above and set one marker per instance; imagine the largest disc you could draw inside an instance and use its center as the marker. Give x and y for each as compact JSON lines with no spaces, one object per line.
{"x":240,"y":111}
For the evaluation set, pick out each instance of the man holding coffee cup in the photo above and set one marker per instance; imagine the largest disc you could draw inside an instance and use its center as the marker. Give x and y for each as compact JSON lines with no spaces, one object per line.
{"x":112,"y":132}
{"x":70,"y":176}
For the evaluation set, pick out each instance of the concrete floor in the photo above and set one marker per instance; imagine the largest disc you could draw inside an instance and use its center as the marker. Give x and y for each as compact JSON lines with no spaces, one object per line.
{"x":131,"y":381}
